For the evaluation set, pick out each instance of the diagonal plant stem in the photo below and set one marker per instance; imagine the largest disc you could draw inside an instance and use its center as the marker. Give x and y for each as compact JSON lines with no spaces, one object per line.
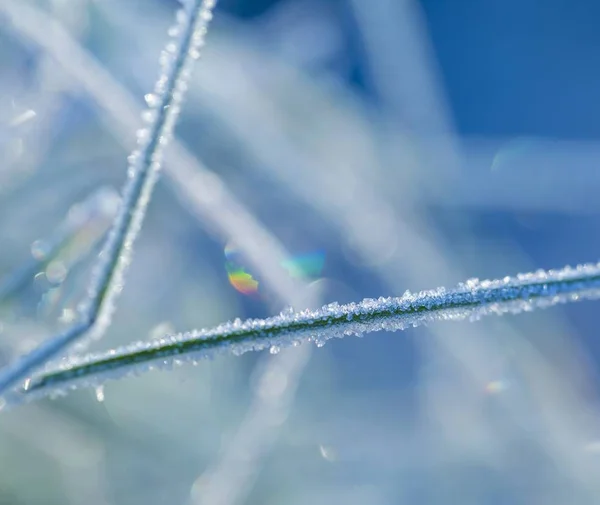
{"x":144,"y":163}
{"x":471,"y":300}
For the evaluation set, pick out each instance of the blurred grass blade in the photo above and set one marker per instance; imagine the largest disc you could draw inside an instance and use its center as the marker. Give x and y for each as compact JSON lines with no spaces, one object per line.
{"x":83,"y":226}
{"x":469,"y":300}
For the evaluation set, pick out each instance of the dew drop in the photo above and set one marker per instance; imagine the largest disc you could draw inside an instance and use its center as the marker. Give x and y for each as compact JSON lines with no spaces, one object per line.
{"x":327,"y":453}
{"x":142,"y":134}
{"x":151,"y":99}
{"x":171,"y":48}
{"x":148,"y":116}
{"x":181,"y":16}
{"x":67,"y":316}
{"x":472,"y":283}
{"x":100,"y":393}
{"x":133,"y":157}
{"x":160,"y":330}
{"x":40,"y":249}
{"x":274,"y":349}
{"x":56,"y":272}
{"x":23,"y":118}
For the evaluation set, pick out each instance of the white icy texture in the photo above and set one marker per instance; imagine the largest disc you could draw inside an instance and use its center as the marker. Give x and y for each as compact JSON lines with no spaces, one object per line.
{"x":469,"y":300}
{"x":95,"y":314}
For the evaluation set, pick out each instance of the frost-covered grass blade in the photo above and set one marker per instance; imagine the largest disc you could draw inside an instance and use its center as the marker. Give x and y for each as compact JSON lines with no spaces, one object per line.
{"x":469,"y":300}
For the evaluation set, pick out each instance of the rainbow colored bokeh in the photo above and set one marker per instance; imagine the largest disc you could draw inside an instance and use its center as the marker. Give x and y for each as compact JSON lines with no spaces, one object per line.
{"x":243,"y":281}
{"x":303,"y":266}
